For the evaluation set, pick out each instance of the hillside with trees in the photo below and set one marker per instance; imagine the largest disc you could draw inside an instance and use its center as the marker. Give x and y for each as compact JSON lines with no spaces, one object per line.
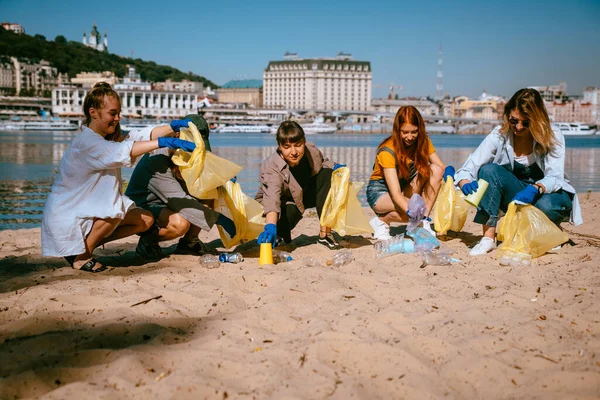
{"x":72,"y":58}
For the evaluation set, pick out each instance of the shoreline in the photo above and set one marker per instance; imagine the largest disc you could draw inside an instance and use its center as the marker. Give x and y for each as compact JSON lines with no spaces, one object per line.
{"x":374,"y":328}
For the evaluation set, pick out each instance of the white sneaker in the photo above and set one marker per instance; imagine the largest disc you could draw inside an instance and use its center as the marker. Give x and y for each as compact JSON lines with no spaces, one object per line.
{"x":381,"y":230}
{"x":427,"y":227}
{"x":484,"y":246}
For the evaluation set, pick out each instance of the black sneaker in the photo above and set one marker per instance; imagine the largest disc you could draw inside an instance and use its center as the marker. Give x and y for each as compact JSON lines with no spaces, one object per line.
{"x":329,"y":242}
{"x":194,"y":247}
{"x":149,"y":251}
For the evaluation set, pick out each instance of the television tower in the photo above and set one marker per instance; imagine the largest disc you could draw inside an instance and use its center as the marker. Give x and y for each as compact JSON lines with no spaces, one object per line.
{"x":439,"y":87}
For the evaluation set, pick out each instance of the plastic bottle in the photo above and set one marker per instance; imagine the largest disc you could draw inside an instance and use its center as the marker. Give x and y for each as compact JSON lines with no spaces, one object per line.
{"x":281,"y":256}
{"x":515,"y":259}
{"x":311,"y":262}
{"x":231,"y":257}
{"x":394,"y":245}
{"x":440,"y":258}
{"x":424,"y":240}
{"x":340,"y":258}
{"x":210,"y":261}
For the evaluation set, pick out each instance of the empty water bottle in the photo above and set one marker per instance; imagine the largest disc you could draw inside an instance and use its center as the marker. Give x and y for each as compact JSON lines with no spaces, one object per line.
{"x":515,"y":259}
{"x":394,"y":245}
{"x":231,"y":258}
{"x":424,"y":240}
{"x":440,"y":258}
{"x":340,"y":258}
{"x":311,"y":262}
{"x":210,"y":261}
{"x":281,"y":256}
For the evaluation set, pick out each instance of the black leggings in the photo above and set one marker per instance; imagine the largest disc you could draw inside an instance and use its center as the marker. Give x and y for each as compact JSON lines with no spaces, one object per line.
{"x":314,"y":194}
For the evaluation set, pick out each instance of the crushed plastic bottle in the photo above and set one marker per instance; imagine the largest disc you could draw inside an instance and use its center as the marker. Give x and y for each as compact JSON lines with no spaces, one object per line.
{"x":394,"y":245}
{"x":311,"y":262}
{"x":340,"y":258}
{"x":515,"y":259}
{"x":231,"y":258}
{"x":281,"y":256}
{"x":439,"y":258}
{"x":417,"y":210}
{"x":424,"y":240}
{"x":210,"y":261}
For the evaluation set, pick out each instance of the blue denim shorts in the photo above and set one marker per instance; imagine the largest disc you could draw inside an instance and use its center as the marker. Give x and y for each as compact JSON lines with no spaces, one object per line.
{"x":375,"y":189}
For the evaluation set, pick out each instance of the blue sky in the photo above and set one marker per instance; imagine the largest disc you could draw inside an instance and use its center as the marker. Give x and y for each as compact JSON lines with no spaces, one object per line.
{"x":498,"y":46}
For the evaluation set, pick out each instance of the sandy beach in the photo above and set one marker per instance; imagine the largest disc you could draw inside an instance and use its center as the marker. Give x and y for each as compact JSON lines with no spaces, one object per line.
{"x":372,"y":329}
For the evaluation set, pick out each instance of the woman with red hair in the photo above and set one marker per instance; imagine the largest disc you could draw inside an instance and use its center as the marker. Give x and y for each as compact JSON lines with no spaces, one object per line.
{"x":406,"y":163}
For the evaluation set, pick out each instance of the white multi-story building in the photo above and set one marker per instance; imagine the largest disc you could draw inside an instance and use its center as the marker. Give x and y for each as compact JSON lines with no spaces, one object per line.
{"x":183,"y":86}
{"x":338,"y":83}
{"x":132,"y":81}
{"x":68,"y":101}
{"x":25,"y":77}
{"x":89,"y":79}
{"x":16,"y":28}
{"x":553,"y":92}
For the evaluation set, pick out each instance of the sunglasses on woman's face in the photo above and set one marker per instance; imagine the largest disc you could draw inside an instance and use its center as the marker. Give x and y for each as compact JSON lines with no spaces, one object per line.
{"x":515,"y":122}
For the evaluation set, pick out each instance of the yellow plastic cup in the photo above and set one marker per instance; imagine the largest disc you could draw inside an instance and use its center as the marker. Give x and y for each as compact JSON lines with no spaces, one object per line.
{"x":474,"y":198}
{"x":266,"y":254}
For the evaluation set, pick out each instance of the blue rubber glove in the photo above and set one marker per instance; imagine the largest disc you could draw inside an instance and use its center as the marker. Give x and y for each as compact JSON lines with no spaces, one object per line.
{"x":226,"y":224}
{"x":177,"y":124}
{"x":268,"y":235}
{"x":234,"y":179}
{"x":527,"y":195}
{"x":176,"y":143}
{"x":470,"y":187}
{"x":336,"y":166}
{"x":449,"y":171}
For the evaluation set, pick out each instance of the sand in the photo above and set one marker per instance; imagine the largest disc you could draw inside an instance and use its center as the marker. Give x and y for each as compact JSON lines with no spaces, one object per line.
{"x":371,"y":329}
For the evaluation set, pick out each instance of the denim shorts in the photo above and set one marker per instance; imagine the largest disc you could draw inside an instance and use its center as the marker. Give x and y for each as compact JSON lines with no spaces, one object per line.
{"x":375,"y":189}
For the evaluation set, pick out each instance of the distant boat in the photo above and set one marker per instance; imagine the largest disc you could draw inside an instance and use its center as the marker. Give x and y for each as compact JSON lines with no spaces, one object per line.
{"x":49,"y":125}
{"x":318,"y":126}
{"x":129,"y":126}
{"x":573,"y":128}
{"x":436,"y":128}
{"x":243,"y":129}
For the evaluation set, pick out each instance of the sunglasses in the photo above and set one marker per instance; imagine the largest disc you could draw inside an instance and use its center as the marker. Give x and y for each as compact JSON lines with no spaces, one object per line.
{"x":515,"y":122}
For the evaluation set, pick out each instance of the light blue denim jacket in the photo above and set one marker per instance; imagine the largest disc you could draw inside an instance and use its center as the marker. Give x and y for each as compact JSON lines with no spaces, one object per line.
{"x":498,"y":149}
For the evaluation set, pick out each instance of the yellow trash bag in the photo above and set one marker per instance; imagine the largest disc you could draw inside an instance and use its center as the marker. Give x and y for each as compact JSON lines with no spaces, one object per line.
{"x":461,"y":209}
{"x":450,"y":209}
{"x":526,"y":229}
{"x":201,"y":170}
{"x":245,"y":212}
{"x":342,"y":211}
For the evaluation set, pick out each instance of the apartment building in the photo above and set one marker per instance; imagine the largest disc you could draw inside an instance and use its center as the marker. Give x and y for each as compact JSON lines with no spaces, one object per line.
{"x":328,"y":84}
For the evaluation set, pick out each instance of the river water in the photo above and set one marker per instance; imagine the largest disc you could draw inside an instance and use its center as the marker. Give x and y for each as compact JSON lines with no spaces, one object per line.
{"x":28,"y":161}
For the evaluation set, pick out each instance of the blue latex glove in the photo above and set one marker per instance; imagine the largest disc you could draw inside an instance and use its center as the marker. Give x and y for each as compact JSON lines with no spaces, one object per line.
{"x":336,"y":166}
{"x":226,"y":224}
{"x":268,"y":235}
{"x":449,"y":171}
{"x":470,"y":187}
{"x":177,"y":124}
{"x":176,"y":143}
{"x":527,"y":195}
{"x":234,"y":179}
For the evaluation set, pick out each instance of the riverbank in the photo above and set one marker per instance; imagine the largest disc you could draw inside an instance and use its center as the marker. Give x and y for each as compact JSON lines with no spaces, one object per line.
{"x":372,"y":329}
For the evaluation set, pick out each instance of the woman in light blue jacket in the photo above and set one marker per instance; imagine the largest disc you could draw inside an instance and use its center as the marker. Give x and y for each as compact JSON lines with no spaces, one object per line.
{"x":522,"y":160}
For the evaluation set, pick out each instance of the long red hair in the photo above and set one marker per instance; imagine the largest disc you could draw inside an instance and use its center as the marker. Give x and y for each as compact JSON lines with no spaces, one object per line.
{"x":419,"y":153}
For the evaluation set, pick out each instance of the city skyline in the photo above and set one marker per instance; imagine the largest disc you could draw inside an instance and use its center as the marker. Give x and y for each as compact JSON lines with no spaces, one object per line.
{"x":497,"y":47}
